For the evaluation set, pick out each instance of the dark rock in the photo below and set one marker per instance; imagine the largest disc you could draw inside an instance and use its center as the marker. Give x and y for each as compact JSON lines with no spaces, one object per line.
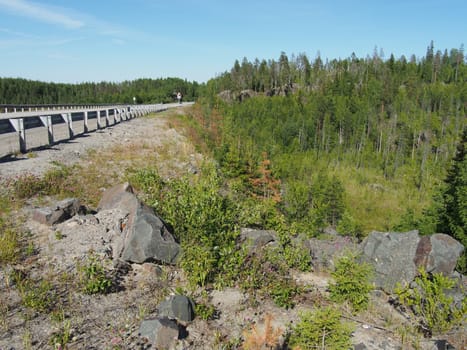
{"x":149,"y":239}
{"x":161,"y":333}
{"x":178,"y":307}
{"x":146,"y":237}
{"x":255,"y":239}
{"x":58,"y":213}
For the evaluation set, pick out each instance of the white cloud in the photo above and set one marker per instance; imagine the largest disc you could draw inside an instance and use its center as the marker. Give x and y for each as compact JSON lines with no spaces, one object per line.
{"x":41,"y":13}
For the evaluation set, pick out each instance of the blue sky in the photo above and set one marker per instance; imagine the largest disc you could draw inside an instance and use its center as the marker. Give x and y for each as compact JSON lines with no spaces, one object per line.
{"x":98,"y":40}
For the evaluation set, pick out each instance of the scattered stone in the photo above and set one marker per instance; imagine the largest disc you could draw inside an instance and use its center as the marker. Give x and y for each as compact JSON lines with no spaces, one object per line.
{"x":161,"y":333}
{"x":178,"y":307}
{"x":58,"y":213}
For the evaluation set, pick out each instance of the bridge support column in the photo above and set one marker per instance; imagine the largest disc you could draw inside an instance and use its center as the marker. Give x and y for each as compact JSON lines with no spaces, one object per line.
{"x":47,"y":122}
{"x":99,"y":122}
{"x":69,"y":121}
{"x":18,"y":125}
{"x":85,"y":120}
{"x":107,"y":119}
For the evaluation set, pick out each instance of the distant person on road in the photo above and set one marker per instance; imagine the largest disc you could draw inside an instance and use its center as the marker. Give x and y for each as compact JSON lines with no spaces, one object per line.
{"x":179,"y":97}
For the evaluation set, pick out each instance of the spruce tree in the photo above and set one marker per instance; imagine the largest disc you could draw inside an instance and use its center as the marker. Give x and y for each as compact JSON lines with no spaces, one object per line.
{"x":453,"y":213}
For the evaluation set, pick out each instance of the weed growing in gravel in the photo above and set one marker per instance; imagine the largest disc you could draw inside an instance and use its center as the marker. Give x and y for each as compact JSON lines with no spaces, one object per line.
{"x":93,"y":277}
{"x":37,"y":295}
{"x":10,"y":243}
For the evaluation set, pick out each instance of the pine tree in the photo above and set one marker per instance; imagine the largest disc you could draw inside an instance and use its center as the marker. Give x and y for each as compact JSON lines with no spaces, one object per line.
{"x":453,"y":213}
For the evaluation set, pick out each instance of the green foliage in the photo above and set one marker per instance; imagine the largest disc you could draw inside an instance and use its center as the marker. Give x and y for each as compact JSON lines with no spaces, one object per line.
{"x":10,"y":243}
{"x":37,"y":295}
{"x":352,"y":281}
{"x":148,"y":183}
{"x":199,"y":263}
{"x":93,"y":277}
{"x":204,"y":311}
{"x":430,"y":300}
{"x":321,"y":329}
{"x":62,"y":337}
{"x":266,"y":273}
{"x":452,"y":213}
{"x":283,"y":292}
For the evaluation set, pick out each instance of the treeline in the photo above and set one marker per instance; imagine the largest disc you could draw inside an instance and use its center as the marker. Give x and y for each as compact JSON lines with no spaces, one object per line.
{"x":271,"y":76}
{"x":22,"y":91}
{"x":324,"y":139}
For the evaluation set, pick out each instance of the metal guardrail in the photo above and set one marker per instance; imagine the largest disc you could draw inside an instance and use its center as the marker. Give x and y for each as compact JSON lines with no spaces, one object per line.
{"x":21,"y":120}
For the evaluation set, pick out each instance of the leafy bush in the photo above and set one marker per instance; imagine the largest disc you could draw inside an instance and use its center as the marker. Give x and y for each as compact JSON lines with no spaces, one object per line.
{"x":321,"y":329}
{"x":93,"y":277}
{"x":352,"y":281}
{"x":37,"y":295}
{"x":429,"y":300}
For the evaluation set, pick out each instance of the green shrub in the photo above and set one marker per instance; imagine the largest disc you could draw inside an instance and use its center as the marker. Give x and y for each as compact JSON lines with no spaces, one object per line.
{"x":37,"y":295}
{"x":352,"y":281}
{"x":321,"y":329}
{"x":429,"y":300}
{"x":93,"y":277}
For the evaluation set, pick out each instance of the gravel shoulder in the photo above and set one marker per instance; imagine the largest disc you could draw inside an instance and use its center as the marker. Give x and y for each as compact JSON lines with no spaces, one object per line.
{"x":37,"y":162}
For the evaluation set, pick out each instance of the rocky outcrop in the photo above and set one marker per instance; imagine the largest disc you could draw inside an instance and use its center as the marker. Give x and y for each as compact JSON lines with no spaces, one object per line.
{"x":145,"y":235}
{"x":58,"y":213}
{"x":397,"y":257}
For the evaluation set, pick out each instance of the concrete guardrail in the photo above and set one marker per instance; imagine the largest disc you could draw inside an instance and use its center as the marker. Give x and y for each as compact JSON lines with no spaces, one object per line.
{"x":16,"y":122}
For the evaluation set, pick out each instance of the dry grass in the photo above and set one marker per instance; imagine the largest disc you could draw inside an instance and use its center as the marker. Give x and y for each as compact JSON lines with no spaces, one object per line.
{"x":262,"y":338}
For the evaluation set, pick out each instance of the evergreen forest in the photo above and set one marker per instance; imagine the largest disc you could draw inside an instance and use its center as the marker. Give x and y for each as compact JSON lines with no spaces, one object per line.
{"x":163,"y":90}
{"x":357,"y":144}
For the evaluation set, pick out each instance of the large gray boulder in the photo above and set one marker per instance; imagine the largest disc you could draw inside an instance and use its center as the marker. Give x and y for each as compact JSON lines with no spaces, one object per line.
{"x":397,"y":257}
{"x":145,"y":235}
